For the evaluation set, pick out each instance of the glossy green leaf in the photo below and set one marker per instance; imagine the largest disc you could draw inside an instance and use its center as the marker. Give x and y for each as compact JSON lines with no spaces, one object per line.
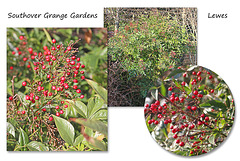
{"x":23,"y":137}
{"x":98,"y":89}
{"x":80,"y":107}
{"x":94,"y":105}
{"x":10,"y":129}
{"x":65,"y":129}
{"x":36,"y":146}
{"x":93,"y":124}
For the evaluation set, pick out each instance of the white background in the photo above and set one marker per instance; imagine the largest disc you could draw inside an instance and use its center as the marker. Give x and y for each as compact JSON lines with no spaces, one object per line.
{"x":129,"y":139}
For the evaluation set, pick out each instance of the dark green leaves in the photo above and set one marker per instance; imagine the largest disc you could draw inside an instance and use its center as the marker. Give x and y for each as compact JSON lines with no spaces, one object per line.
{"x":215,"y":104}
{"x":65,"y":128}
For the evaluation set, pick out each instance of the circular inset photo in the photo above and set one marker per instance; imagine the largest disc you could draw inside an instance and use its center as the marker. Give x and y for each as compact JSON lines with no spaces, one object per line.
{"x":191,"y":112}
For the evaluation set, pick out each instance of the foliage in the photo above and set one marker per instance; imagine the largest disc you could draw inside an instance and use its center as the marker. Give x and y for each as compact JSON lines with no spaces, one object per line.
{"x":149,"y":47}
{"x":194,"y":111}
{"x":43,"y":85}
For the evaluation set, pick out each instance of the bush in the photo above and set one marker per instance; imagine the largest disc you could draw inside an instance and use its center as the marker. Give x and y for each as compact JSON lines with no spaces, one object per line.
{"x":149,"y":47}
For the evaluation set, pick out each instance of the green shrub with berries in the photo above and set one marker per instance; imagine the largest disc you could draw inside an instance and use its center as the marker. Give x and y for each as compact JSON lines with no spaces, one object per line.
{"x":55,"y":100}
{"x":149,"y":47}
{"x":193,"y":112}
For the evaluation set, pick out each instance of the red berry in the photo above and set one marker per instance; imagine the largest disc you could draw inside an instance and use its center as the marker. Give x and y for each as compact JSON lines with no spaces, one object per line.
{"x":156,"y":122}
{"x":210,"y":77}
{"x":24,"y":83}
{"x":195,"y":92}
{"x":199,"y":78}
{"x":207,"y":118}
{"x":23,"y":112}
{"x":149,"y":121}
{"x":189,"y":107}
{"x":36,"y":98}
{"x":194,"y":108}
{"x":30,"y":50}
{"x":35,"y":117}
{"x":175,"y":136}
{"x":78,"y":59}
{"x":44,"y":109}
{"x":53,"y":87}
{"x":57,"y":114}
{"x":199,"y":73}
{"x":157,"y":103}
{"x":69,"y":48}
{"x":21,"y":37}
{"x":193,"y":73}
{"x":165,"y":121}
{"x":183,"y":83}
{"x":83,"y":66}
{"x":177,"y":141}
{"x":50,"y":118}
{"x":82,"y":96}
{"x":202,"y":115}
{"x":173,"y":112}
{"x":53,"y":41}
{"x":82,"y":77}
{"x":191,"y":137}
{"x":61,"y":112}
{"x":212,"y":91}
{"x":184,"y":74}
{"x":182,"y":144}
{"x":62,"y":78}
{"x":191,"y":152}
{"x":10,"y":98}
{"x":170,"y":88}
{"x":184,"y":117}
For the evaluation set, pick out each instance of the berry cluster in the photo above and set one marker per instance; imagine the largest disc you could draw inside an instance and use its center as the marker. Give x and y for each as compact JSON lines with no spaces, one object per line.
{"x":58,"y":72}
{"x":190,"y":111}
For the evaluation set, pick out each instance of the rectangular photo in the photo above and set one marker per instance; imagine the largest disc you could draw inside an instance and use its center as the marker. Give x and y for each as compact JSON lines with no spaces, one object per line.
{"x":56,"y":89}
{"x":143,"y":44}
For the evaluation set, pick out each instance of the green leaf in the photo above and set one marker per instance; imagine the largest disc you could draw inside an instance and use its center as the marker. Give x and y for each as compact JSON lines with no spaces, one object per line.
{"x":23,"y":137}
{"x":36,"y":146}
{"x":214,"y":103}
{"x":47,"y":35}
{"x":65,"y":128}
{"x":211,"y":139}
{"x":10,"y":129}
{"x":80,"y":107}
{"x":98,"y":144}
{"x":93,"y":124}
{"x":98,"y":89}
{"x":94,"y":105}
{"x":163,"y":89}
{"x":78,"y":140}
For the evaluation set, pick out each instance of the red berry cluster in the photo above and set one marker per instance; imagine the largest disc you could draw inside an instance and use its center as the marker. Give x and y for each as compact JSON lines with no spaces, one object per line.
{"x":181,"y":111}
{"x":58,"y":73}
